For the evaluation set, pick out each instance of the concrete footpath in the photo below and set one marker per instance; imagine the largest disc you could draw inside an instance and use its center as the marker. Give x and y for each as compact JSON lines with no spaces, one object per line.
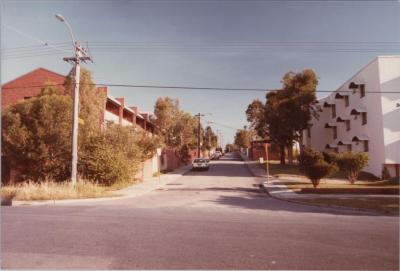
{"x":135,"y":190}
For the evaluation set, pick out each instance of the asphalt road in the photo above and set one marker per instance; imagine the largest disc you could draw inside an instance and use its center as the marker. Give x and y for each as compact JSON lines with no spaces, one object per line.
{"x":217,"y":219}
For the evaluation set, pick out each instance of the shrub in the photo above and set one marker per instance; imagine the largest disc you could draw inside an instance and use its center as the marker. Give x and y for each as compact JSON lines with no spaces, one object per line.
{"x":330,"y":157}
{"x":110,"y":156}
{"x":351,"y":163}
{"x":314,"y":166}
{"x":36,"y":136}
{"x":386,"y":174}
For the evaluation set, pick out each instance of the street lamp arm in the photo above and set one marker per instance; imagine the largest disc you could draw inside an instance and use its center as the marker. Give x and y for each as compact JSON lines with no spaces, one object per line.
{"x":62,"y":19}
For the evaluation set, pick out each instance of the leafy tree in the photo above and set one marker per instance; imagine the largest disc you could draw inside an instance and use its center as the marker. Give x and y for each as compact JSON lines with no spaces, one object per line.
{"x":243,"y":138}
{"x":177,"y":129}
{"x":91,"y":103}
{"x":36,"y":136}
{"x":288,"y":111}
{"x":351,"y":163}
{"x":314,"y":166}
{"x":166,"y":111}
{"x":255,"y":114}
{"x":210,"y":138}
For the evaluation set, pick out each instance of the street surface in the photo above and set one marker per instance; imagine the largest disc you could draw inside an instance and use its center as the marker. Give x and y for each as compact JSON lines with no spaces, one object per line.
{"x":216,"y":219}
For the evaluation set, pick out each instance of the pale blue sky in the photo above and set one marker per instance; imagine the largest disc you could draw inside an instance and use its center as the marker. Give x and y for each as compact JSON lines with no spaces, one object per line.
{"x":206,"y":43}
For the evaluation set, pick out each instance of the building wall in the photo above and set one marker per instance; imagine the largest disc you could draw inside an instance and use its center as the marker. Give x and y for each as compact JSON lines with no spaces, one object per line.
{"x":383,"y":126}
{"x":29,"y":85}
{"x":390,"y":82}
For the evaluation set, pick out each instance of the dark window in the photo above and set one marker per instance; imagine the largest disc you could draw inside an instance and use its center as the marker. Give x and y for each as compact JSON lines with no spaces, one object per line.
{"x":362,"y":91}
{"x":334,"y":129}
{"x":346,"y":101}
{"x":333,"y":111}
{"x":26,"y":98}
{"x":347,"y":125}
{"x":364,"y":118}
{"x":308,"y":132}
{"x":366,"y":147}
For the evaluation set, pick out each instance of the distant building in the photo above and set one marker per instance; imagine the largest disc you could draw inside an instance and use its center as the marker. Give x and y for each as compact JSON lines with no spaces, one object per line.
{"x":361,"y":115}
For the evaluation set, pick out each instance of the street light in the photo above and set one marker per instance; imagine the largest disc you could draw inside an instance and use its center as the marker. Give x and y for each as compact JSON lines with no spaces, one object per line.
{"x":80,"y":55}
{"x":63,"y":20}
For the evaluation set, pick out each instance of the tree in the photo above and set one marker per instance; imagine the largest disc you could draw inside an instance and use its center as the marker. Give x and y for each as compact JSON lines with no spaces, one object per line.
{"x":210,"y":139}
{"x":314,"y":166}
{"x":243,"y":138}
{"x":36,"y":136}
{"x":91,"y":103}
{"x":255,"y":114}
{"x":351,"y":163}
{"x":177,"y":129}
{"x":288,"y":111}
{"x":166,"y":111}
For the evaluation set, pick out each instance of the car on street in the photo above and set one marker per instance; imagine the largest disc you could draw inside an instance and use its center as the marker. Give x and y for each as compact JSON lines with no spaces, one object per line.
{"x":200,"y":164}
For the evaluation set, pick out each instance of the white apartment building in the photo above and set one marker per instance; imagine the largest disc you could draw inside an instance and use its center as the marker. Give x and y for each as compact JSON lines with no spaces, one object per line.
{"x":362,"y":115}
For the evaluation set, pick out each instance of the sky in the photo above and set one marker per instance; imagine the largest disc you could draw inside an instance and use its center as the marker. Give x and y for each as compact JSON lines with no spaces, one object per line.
{"x":226,"y":44}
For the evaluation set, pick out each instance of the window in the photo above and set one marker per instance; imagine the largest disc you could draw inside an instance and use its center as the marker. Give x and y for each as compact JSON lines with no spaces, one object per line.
{"x":346,"y":101}
{"x":347,"y":125}
{"x":349,"y":147}
{"x":308,"y":132}
{"x":334,"y":129}
{"x":364,"y":118}
{"x":333,"y":111}
{"x":26,"y":98}
{"x":366,"y":147}
{"x":362,"y":91}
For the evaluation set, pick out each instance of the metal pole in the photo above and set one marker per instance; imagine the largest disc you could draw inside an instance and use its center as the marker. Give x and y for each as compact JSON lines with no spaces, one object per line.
{"x":75,"y":122}
{"x":198,"y":137}
{"x":266,"y":147}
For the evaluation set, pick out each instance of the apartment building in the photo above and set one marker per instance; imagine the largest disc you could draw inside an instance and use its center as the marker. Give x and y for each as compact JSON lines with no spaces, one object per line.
{"x":363,"y":115}
{"x":115,"y":110}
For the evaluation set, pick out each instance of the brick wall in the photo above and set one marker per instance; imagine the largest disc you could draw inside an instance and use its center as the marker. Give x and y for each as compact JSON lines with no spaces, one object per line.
{"x":29,"y":85}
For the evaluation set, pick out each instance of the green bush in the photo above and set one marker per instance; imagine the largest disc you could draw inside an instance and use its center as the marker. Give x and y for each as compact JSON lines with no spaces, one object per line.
{"x":111,"y":156}
{"x":351,"y":163}
{"x":36,"y":136}
{"x":386,"y":174}
{"x":313,"y":165}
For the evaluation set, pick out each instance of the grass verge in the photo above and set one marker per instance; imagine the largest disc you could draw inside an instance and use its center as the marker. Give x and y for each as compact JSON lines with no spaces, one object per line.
{"x":55,"y":191}
{"x":379,"y":204}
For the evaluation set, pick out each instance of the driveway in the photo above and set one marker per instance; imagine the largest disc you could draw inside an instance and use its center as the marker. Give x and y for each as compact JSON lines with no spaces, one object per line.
{"x":216,"y":219}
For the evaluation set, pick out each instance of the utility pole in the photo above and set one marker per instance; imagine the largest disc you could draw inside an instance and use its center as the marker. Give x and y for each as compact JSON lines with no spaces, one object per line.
{"x":198,"y":134}
{"x":81,"y":55}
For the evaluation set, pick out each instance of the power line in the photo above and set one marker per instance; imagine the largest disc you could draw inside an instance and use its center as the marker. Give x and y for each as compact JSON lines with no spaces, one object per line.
{"x":192,"y":88}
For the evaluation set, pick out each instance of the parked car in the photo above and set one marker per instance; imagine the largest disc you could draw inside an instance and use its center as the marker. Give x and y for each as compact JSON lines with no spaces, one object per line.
{"x":200,"y":164}
{"x":215,"y":156}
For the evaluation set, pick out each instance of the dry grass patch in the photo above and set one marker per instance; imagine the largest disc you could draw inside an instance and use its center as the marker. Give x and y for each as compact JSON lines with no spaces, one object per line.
{"x":52,"y":191}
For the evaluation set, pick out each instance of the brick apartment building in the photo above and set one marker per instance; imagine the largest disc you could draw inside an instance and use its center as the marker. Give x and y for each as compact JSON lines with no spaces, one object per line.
{"x":115,"y":110}
{"x":30,"y":84}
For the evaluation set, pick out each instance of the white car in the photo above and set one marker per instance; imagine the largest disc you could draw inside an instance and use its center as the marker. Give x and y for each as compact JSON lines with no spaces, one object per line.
{"x":200,"y":164}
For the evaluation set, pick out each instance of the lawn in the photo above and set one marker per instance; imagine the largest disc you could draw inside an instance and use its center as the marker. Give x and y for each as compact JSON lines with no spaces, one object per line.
{"x":276,"y":169}
{"x":291,"y":176}
{"x":380,"y":204}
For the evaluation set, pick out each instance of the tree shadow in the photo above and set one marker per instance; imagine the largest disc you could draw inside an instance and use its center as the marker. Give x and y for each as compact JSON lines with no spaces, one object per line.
{"x":256,"y":199}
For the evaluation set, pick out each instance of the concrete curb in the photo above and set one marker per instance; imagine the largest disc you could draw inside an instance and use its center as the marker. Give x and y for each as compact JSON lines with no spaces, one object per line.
{"x":132,"y":191}
{"x":335,"y":207}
